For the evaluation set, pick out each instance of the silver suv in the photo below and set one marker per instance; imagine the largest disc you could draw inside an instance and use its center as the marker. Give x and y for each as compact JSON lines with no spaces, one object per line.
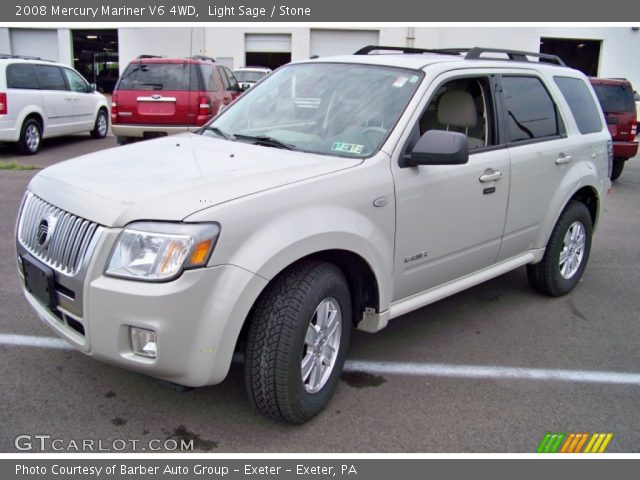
{"x":338,"y":193}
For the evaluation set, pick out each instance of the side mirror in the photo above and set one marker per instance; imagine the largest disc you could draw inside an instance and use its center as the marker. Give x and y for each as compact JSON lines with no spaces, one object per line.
{"x":244,"y":87}
{"x":92,"y":87}
{"x":439,"y":147}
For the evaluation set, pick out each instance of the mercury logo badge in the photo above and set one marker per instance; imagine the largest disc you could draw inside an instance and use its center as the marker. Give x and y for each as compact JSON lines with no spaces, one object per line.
{"x":45,"y":230}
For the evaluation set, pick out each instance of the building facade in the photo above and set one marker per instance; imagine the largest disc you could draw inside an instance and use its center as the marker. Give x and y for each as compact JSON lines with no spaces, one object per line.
{"x":101,"y":54}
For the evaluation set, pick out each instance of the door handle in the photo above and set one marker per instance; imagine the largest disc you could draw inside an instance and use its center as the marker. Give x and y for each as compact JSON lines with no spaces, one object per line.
{"x":562,"y":159}
{"x":490,"y":176}
{"x":67,"y":98}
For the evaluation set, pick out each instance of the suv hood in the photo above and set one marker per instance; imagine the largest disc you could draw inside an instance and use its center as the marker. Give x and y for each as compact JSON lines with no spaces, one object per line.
{"x":173,"y":177}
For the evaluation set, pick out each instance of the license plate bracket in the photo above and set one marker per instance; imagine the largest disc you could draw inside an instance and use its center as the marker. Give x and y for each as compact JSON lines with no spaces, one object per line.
{"x":39,"y":281}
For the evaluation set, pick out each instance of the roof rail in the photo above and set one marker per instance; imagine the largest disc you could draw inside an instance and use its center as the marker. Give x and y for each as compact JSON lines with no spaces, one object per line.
{"x":474,"y":53}
{"x":4,"y":56}
{"x":373,"y":48}
{"x":145,"y":55}
{"x":514,"y":55}
{"x":203,"y":57}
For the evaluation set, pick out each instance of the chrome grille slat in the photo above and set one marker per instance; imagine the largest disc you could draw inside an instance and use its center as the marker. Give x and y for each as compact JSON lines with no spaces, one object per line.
{"x":70,"y":238}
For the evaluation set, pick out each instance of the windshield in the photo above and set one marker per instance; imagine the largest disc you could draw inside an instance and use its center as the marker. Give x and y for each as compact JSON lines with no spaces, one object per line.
{"x":248,"y":75}
{"x":335,"y":109}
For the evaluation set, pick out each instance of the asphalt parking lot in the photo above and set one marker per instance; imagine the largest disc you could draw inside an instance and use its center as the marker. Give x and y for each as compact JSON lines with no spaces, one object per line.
{"x":432,"y":402}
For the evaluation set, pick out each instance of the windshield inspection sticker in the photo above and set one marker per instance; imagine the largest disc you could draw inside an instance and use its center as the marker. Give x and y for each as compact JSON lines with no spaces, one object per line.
{"x":400,"y":81}
{"x":347,"y":148}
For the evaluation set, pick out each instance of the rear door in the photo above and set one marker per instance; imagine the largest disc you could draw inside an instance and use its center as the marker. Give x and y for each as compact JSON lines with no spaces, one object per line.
{"x":57,"y":101}
{"x":541,"y":155}
{"x":84,"y":102}
{"x":159,"y":94}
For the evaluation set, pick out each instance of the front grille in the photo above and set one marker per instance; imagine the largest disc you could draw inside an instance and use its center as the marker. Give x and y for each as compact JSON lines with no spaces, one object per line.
{"x":55,"y":237}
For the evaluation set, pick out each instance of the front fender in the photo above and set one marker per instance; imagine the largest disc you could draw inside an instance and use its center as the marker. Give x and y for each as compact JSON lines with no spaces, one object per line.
{"x":303,"y":232}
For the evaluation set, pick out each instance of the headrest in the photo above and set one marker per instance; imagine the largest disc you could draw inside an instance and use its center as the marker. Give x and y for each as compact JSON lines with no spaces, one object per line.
{"x":457,"y":108}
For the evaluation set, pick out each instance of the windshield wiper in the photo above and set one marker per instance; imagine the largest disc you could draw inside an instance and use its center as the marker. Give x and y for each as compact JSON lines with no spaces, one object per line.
{"x":266,"y":141}
{"x":220,"y":133}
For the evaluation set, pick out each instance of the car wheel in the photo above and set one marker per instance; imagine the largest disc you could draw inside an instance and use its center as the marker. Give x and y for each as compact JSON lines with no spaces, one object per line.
{"x":297,"y":342}
{"x":101,"y":127}
{"x":618,"y":166}
{"x":30,"y":137}
{"x":567,"y":253}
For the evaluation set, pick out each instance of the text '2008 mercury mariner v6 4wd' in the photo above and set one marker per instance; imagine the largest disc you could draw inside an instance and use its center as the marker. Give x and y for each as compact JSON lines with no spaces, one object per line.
{"x":337,"y":193}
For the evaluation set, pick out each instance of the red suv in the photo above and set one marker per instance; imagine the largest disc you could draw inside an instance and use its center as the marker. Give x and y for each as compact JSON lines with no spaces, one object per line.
{"x":618,"y":105}
{"x":159,"y":96}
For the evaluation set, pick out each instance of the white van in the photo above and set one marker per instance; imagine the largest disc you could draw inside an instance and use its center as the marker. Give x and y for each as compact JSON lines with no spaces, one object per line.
{"x":41,"y":99}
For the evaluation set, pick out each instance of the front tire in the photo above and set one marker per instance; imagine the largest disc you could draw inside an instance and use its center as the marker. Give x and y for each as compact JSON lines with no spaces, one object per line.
{"x":567,"y":252}
{"x":297,"y":342}
{"x":30,"y":137}
{"x":101,"y":126}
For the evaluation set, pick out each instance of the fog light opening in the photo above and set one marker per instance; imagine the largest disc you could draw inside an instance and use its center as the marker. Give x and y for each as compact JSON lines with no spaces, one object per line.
{"x":143,"y":342}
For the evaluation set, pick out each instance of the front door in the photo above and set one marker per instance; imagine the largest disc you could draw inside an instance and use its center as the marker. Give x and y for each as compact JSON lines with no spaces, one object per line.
{"x":450,"y":218}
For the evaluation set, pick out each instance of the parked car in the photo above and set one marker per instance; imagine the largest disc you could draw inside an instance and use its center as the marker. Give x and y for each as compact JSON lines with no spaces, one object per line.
{"x":249,"y":76}
{"x":159,"y":96}
{"x":411,"y":178}
{"x":617,"y":101}
{"x":41,"y":99}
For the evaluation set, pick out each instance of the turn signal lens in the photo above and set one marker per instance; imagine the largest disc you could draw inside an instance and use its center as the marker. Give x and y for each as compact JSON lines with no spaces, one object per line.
{"x":200,"y":253}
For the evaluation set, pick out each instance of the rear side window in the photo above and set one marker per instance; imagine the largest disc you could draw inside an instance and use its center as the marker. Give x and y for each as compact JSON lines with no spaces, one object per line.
{"x":581,"y":103}
{"x":209,"y":77}
{"x":50,"y":77}
{"x":530,"y":110}
{"x":160,"y":76}
{"x":233,"y":83}
{"x":21,"y":75}
{"x":223,"y":76}
{"x":615,"y":98}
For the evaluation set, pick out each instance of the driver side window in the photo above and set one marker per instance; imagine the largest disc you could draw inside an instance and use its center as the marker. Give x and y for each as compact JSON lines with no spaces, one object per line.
{"x":75,"y":81}
{"x":463,"y":105}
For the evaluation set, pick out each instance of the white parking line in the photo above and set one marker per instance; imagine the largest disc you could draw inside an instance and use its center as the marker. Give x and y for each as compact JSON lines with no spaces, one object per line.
{"x":412,"y":368}
{"x":31,"y":341}
{"x":482,"y":371}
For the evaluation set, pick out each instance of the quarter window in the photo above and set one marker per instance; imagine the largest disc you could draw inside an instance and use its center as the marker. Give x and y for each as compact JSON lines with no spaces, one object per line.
{"x":581,"y":103}
{"x":531,"y":113}
{"x":50,"y":77}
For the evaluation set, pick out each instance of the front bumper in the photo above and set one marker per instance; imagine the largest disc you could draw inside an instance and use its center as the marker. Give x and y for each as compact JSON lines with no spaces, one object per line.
{"x":197,"y":318}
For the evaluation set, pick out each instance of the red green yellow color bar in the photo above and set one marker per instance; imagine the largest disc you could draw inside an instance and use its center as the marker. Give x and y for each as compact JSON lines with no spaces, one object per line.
{"x":555,"y":442}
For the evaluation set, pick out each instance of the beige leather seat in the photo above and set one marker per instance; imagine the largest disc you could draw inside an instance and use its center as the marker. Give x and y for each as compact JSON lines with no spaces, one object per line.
{"x":457,"y":109}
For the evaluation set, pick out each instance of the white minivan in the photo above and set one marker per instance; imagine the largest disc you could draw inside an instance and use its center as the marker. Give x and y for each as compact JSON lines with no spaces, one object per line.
{"x":42,"y":99}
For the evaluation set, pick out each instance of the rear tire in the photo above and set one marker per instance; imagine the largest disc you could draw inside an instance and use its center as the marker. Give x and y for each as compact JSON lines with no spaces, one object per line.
{"x":567,"y":253}
{"x":101,"y":126}
{"x":30,"y":137}
{"x":618,"y":166}
{"x":297,"y":342}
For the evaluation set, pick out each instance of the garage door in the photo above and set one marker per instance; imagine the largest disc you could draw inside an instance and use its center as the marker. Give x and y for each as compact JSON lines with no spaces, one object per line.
{"x":256,"y":42}
{"x":34,"y":43}
{"x":341,"y":42}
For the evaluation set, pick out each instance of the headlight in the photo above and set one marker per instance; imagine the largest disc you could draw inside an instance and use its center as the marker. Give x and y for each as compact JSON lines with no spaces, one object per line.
{"x":161,"y":251}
